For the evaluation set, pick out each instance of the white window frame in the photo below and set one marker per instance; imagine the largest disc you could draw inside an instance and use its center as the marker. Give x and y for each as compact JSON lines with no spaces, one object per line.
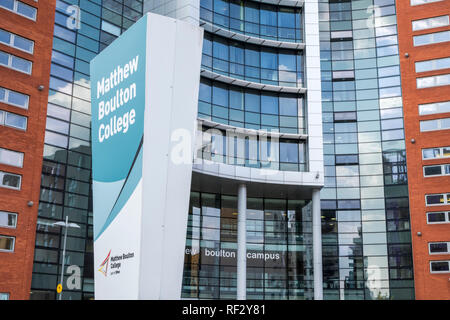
{"x":7,"y":93}
{"x":421,"y":2}
{"x":432,"y":20}
{"x":441,"y":153}
{"x":438,"y":127}
{"x":3,"y":120}
{"x":439,"y":107}
{"x":432,"y":41}
{"x":20,"y":154}
{"x":438,"y":253}
{"x":11,"y":42}
{"x":447,"y":217}
{"x":439,"y":272}
{"x":13,"y":246}
{"x":437,"y":81}
{"x":432,"y":64}
{"x":10,"y":213}
{"x":16,"y":4}
{"x":446,"y":199}
{"x":436,"y":175}
{"x":10,"y":64}
{"x":2,"y":173}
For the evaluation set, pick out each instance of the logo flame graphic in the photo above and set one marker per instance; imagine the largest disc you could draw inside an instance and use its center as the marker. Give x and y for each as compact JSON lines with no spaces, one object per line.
{"x":104,"y":266}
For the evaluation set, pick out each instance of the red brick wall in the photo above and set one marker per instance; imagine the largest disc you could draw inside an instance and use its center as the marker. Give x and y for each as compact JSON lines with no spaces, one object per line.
{"x":427,"y":285}
{"x":16,"y":267}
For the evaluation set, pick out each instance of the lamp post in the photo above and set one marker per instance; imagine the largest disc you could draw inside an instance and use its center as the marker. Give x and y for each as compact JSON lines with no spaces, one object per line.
{"x":64,"y":224}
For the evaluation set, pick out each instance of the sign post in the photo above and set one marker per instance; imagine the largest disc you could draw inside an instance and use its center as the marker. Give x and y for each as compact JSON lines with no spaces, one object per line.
{"x":144,"y":92}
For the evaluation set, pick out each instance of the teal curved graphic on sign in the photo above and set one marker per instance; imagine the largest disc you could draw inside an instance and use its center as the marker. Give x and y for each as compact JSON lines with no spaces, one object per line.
{"x":118,"y":77}
{"x":128,"y":188}
{"x":105,"y":195}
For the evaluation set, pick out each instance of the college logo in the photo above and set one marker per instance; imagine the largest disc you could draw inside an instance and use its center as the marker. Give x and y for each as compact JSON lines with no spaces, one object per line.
{"x":116,"y":263}
{"x":104,"y":266}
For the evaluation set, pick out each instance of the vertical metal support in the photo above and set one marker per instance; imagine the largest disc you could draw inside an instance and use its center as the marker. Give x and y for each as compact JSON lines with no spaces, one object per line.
{"x":64,"y":254}
{"x":242,"y":243}
{"x":317,"y":245}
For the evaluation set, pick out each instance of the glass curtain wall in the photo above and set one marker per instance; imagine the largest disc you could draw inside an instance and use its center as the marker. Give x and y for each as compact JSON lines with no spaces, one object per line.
{"x":252,"y":63}
{"x":279,"y":248}
{"x":365,"y":214}
{"x":66,"y":172}
{"x":254,"y":19}
{"x":279,"y":231}
{"x":252,"y":109}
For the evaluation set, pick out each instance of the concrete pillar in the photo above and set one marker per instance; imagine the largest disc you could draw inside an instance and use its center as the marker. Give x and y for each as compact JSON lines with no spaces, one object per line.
{"x":317,"y":245}
{"x":242,"y":243}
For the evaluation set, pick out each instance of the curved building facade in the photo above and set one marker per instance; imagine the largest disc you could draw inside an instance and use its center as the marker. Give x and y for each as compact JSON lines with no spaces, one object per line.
{"x":259,"y":142}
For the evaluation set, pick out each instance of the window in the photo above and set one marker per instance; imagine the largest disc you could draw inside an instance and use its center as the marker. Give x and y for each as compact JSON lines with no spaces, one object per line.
{"x":8,"y":219}
{"x":433,"y":108}
{"x":11,"y":61}
{"x":16,"y":41}
{"x":439,"y":247}
{"x":345,"y":116}
{"x":288,"y":106}
{"x":251,"y":109}
{"x":4,"y":296}
{"x":259,"y":20}
{"x":110,"y":28}
{"x":431,"y":153}
{"x":436,"y":153}
{"x":14,"y":98}
{"x":346,"y":159}
{"x":288,"y":151}
{"x":431,"y":65}
{"x":436,"y":170}
{"x":433,"y":125}
{"x":341,"y":34}
{"x":245,"y":61}
{"x":19,"y":8}
{"x":431,"y":38}
{"x":419,"y":2}
{"x":10,"y":180}
{"x":440,"y":266}
{"x":430,"y":23}
{"x":11,"y":158}
{"x":433,"y":81}
{"x":344,"y":74}
{"x":269,"y":104}
{"x":437,"y":199}
{"x":7,"y":243}
{"x":438,"y":217}
{"x":13,"y":120}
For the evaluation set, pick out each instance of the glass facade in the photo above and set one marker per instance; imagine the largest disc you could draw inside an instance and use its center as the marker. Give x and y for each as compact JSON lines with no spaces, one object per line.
{"x":242,"y":107}
{"x":365,"y":223}
{"x":254,"y":19}
{"x":251,"y":151}
{"x":252,"y":109}
{"x":279,"y":248}
{"x":253,"y":63}
{"x":66,"y":173}
{"x":279,"y":231}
